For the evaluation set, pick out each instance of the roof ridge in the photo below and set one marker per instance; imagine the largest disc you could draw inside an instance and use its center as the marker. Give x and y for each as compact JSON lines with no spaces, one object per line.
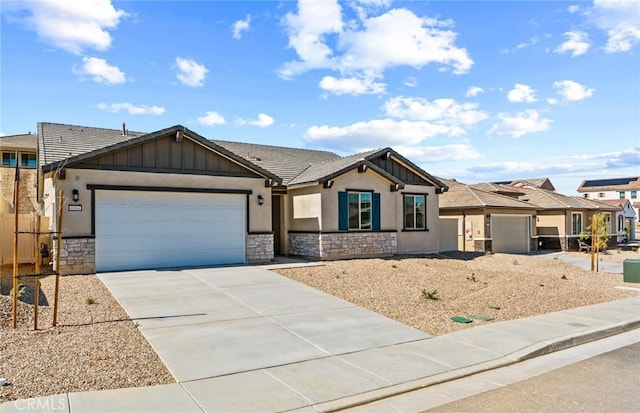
{"x":550,"y":194}
{"x":273,"y":146}
{"x":473,"y":192}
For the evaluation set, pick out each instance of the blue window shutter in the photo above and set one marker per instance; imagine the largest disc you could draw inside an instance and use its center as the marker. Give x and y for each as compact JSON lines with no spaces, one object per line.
{"x":375,"y":207}
{"x":343,"y":211}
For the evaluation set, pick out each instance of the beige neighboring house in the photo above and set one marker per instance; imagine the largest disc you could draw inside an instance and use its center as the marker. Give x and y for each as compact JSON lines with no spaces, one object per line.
{"x":615,"y":189}
{"x":474,"y":219}
{"x":560,"y":219}
{"x":171,"y":198}
{"x":21,"y":150}
{"x":17,"y":150}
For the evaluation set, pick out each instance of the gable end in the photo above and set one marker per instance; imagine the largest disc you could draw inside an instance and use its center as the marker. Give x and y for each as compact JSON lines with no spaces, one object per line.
{"x":399,"y":171}
{"x":166,"y":155}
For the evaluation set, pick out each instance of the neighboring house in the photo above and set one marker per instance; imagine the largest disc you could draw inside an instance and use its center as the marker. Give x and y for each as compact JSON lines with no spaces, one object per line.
{"x":614,"y":189}
{"x":561,"y":219}
{"x":473,"y":219}
{"x":17,"y":150}
{"x":173,"y":198}
{"x":625,"y":219}
{"x":21,"y":150}
{"x":543,"y":183}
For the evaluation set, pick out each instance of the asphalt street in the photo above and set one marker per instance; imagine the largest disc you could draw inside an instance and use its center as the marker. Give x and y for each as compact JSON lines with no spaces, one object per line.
{"x":609,"y":382}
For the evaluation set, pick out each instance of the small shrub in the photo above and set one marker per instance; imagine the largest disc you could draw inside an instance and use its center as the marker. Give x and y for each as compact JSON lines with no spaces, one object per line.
{"x":472,"y":277}
{"x":394,"y":266}
{"x":515,"y":262}
{"x":430,"y":295}
{"x":21,"y":290}
{"x":91,"y":300}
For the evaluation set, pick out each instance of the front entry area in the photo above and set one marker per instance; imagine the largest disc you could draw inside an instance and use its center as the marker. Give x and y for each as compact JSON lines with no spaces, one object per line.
{"x":149,"y":229}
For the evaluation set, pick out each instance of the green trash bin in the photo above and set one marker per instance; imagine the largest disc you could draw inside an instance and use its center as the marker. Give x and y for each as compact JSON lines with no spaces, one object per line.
{"x":631,"y":270}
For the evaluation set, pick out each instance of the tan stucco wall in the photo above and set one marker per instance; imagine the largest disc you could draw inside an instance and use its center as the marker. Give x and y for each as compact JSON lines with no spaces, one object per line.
{"x":78,"y":223}
{"x":418,"y":241}
{"x":391,"y":210}
{"x":552,"y":223}
{"x":473,"y":219}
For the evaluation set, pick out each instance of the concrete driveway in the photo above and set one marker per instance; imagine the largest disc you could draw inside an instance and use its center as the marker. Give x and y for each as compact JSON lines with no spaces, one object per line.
{"x":210,"y":324}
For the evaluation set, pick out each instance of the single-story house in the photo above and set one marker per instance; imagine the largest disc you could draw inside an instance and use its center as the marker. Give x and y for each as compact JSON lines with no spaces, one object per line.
{"x":473,"y":219}
{"x":561,"y":219}
{"x":172,"y":198}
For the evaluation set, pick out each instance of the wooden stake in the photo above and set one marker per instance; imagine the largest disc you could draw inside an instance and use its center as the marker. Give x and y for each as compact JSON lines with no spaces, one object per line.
{"x":59,"y":235}
{"x":15,"y":248}
{"x":36,"y":281}
{"x":593,"y":242}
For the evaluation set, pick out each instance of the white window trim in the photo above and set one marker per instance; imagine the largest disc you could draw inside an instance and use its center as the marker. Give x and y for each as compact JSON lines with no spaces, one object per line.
{"x":360,"y":228}
{"x":581,"y":222}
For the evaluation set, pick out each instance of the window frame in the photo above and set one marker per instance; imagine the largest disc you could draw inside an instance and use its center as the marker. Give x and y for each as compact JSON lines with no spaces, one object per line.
{"x":577,"y":214}
{"x":369,"y":226}
{"x":634,"y":194}
{"x":31,"y":161}
{"x":12,"y":157}
{"x":414,"y":212}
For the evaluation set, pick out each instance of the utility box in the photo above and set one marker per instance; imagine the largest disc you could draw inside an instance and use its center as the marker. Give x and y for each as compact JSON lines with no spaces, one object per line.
{"x":631,"y":271}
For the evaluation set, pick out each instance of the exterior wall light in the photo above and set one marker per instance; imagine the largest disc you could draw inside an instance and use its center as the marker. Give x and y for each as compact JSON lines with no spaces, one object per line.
{"x":75,"y":195}
{"x":260,"y":200}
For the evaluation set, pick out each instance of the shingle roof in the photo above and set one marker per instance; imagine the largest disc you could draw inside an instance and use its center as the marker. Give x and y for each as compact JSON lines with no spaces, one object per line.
{"x":497,"y":188}
{"x":546,"y":199}
{"x":464,"y":196}
{"x":287,"y":163}
{"x":318,"y":171}
{"x":615,"y":184}
{"x":59,"y":142}
{"x":537,"y":182}
{"x":25,"y":141}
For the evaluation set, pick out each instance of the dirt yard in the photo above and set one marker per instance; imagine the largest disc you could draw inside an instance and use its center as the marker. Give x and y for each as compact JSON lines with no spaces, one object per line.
{"x":96,"y":346}
{"x":464,"y":285}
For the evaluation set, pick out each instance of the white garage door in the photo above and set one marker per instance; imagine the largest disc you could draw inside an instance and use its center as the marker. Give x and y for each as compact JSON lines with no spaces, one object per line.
{"x":510,"y":233}
{"x":448,"y":234}
{"x":145,"y":230}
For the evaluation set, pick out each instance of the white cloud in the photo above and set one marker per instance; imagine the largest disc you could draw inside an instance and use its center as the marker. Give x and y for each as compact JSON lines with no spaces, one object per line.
{"x":441,"y":111}
{"x":411,"y":82}
{"x":521,"y":93}
{"x":73,"y":26}
{"x":211,"y":119}
{"x":262,"y":121}
{"x":572,"y":91}
{"x":351,"y":86}
{"x":100,"y":71}
{"x":367,"y":46}
{"x":190,"y":72}
{"x":132,"y":109}
{"x":593,"y":165}
{"x":241,"y":26}
{"x":620,"y":19}
{"x":474,"y":91}
{"x":573,"y":8}
{"x":528,"y":43}
{"x":429,"y":154}
{"x":577,"y":43}
{"x":361,"y":136}
{"x":519,"y":124}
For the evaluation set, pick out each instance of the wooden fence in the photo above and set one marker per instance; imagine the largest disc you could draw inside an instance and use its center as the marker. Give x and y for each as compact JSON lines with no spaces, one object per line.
{"x":26,"y":242}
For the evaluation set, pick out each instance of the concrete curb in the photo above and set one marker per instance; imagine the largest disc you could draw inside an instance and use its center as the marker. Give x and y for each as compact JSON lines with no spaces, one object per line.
{"x":529,"y":352}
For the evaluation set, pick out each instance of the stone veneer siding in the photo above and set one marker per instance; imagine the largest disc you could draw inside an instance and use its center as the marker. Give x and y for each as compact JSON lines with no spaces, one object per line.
{"x":336,"y":245}
{"x":259,"y":248}
{"x":78,"y":255}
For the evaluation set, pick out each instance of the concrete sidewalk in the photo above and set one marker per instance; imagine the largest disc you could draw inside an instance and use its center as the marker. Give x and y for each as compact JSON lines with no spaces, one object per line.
{"x":584,"y":262}
{"x":336,"y":375}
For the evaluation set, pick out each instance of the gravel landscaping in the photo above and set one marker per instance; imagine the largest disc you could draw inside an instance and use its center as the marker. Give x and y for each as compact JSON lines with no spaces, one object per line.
{"x":94,"y":347}
{"x":467,"y":285}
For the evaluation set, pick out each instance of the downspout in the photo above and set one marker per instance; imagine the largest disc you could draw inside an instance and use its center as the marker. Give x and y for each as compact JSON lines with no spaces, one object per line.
{"x":464,"y":235}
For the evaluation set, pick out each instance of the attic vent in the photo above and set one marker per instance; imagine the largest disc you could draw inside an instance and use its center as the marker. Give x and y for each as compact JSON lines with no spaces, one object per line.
{"x":125,"y":131}
{"x":60,"y":139}
{"x":253,"y":158}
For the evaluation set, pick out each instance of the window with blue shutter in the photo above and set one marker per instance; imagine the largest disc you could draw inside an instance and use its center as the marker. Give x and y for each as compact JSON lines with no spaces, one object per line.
{"x":358,"y":211}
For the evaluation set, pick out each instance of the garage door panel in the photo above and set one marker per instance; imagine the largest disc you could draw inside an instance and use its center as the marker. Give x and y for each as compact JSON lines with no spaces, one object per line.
{"x":141,"y":230}
{"x":510,"y":233}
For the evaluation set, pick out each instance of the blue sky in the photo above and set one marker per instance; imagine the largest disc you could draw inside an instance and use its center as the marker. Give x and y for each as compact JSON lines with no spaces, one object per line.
{"x":473,"y":90}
